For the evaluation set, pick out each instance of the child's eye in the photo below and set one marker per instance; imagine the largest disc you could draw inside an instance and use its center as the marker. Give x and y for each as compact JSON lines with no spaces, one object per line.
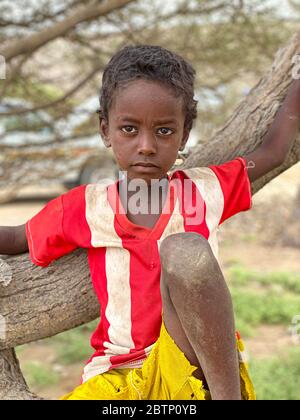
{"x":165,"y":131}
{"x":129,"y":129}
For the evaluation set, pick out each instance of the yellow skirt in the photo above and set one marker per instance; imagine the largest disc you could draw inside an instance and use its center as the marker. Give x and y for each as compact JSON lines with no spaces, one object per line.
{"x":165,"y":375}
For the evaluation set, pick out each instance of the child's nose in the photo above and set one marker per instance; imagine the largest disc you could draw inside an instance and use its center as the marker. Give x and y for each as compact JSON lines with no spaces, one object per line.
{"x":147,"y":143}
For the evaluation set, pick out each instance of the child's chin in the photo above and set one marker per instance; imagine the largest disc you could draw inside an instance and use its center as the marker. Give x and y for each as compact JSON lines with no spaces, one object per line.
{"x":145,"y":173}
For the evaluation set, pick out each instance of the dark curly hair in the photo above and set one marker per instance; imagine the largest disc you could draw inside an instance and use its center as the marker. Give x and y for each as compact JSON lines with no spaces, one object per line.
{"x":151,"y":63}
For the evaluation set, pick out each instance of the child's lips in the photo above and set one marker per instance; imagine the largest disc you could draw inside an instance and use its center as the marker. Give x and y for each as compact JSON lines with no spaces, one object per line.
{"x":145,"y":165}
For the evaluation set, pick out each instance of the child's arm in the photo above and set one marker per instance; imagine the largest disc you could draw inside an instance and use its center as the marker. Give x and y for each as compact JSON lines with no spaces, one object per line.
{"x":13,"y":240}
{"x":280,"y":137}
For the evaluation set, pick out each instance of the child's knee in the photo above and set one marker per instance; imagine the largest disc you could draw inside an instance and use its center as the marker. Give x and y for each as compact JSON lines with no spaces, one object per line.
{"x":186,"y":254}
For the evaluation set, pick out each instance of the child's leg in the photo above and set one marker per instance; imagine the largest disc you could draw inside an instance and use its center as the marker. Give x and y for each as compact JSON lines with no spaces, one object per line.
{"x":198,"y":313}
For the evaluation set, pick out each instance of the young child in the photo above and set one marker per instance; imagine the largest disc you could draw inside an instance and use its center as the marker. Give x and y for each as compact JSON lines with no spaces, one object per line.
{"x":167,"y":325}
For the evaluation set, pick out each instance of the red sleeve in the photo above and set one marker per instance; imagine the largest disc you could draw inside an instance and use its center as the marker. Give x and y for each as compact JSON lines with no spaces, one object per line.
{"x":235,"y":185}
{"x":59,"y":228}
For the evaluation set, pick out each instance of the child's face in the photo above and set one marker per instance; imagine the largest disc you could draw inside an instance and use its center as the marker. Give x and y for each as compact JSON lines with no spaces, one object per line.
{"x":146,"y":125}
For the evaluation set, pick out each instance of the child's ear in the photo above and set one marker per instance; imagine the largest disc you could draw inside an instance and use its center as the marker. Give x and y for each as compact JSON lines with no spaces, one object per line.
{"x":104,"y":130}
{"x":185,"y":138}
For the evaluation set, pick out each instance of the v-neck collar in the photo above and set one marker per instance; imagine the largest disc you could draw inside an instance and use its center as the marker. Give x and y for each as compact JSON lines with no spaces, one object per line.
{"x":138,"y":231}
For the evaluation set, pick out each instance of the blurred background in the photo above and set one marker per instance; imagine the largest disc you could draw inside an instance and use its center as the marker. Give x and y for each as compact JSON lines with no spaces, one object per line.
{"x":49,"y":143}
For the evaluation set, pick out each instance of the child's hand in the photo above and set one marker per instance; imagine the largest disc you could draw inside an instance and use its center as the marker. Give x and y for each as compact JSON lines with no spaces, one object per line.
{"x":13,"y":240}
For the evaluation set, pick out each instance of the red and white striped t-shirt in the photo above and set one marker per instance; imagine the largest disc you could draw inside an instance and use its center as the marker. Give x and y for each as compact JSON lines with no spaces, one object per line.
{"x":124,"y":257}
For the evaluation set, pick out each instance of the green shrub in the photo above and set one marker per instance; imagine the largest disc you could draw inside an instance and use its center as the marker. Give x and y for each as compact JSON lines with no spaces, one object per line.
{"x":269,"y":309}
{"x":277,"y":378}
{"x":263,"y":298}
{"x":74,"y":345}
{"x":239,"y":275}
{"x":39,"y":375}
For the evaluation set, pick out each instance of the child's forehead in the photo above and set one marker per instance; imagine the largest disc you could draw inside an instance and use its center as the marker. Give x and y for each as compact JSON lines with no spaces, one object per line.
{"x":142,"y":96}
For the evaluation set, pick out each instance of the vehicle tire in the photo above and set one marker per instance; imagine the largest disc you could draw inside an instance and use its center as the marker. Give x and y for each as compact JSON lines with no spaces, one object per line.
{"x":95,"y":171}
{"x":70,"y":184}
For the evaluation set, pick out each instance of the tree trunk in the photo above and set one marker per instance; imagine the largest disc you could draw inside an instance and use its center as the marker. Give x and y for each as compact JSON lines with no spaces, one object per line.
{"x":12,"y":383}
{"x":37,"y":303}
{"x":40,"y":302}
{"x":250,"y":122}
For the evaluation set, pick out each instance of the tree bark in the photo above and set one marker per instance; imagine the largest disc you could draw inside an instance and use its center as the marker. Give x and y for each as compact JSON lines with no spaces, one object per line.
{"x":41,"y":302}
{"x":37,"y":303}
{"x":12,"y":383}
{"x":246,"y":129}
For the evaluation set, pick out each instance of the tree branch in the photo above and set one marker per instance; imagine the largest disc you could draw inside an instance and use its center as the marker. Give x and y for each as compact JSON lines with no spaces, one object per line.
{"x":84,"y":14}
{"x":72,"y":91}
{"x":250,"y":122}
{"x":35,"y":305}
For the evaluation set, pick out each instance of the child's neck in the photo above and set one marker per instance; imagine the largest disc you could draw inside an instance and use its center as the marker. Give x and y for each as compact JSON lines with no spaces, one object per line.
{"x":143,"y":203}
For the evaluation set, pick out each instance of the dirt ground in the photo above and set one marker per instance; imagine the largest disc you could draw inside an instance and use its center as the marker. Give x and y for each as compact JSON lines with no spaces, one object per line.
{"x":252,"y":238}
